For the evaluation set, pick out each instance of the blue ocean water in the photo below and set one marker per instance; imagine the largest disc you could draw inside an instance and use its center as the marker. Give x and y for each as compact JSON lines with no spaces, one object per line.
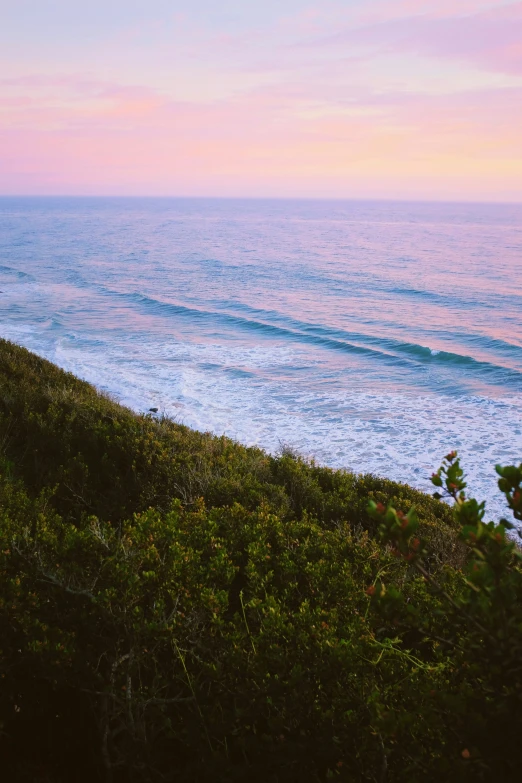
{"x":374,"y":336}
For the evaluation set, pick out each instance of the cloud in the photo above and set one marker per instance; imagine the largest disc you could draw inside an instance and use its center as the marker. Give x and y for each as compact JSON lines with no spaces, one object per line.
{"x":132,"y":141}
{"x":491,"y":39}
{"x":391,"y":98}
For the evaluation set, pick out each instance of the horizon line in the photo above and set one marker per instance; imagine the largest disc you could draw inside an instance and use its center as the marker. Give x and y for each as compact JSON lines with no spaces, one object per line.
{"x":386,"y":199}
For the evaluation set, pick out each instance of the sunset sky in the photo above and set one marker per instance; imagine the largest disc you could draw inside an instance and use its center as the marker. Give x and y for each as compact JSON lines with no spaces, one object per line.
{"x":359,"y":98}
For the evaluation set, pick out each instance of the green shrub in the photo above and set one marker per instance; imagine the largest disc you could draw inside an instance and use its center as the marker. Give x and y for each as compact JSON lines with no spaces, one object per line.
{"x":480,"y":625}
{"x":177,"y":607}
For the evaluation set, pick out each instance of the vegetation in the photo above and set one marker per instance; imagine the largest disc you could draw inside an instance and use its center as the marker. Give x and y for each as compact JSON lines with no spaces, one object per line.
{"x":177,"y":607}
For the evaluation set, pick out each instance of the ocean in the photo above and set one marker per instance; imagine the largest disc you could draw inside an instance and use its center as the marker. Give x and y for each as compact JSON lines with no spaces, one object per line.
{"x":372,"y":336}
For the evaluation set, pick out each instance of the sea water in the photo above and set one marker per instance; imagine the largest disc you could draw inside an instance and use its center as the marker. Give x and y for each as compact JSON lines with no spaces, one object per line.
{"x":372,"y":336}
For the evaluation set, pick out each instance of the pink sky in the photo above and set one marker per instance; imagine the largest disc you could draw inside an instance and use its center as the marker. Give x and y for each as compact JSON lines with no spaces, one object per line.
{"x":373,"y":99}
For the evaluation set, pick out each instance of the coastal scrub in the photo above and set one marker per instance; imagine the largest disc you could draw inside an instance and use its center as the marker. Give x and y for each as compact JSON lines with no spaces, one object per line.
{"x":177,"y":607}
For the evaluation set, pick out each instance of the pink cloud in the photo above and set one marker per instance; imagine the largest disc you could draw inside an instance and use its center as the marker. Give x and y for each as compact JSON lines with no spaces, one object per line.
{"x":136,"y":141}
{"x":434,"y":9}
{"x":491,"y":39}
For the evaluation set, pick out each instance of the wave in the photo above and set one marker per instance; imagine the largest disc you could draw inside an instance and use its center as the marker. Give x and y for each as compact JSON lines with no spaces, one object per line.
{"x":53,"y":324}
{"x":494,"y":299}
{"x":9,"y":270}
{"x":390,"y":347}
{"x":482,"y":342}
{"x":275,"y":325}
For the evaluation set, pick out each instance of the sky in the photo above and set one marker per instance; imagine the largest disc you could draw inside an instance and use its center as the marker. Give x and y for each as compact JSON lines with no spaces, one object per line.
{"x":401,"y":99}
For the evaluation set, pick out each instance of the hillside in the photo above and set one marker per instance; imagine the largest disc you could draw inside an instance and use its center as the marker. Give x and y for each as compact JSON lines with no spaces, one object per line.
{"x":178,"y":607}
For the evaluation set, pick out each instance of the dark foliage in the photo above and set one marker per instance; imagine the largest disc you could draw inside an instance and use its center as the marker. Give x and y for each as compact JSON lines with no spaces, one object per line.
{"x":177,"y":607}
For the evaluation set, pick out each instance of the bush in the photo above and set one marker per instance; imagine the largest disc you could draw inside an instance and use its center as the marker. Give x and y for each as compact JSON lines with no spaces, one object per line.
{"x":479,"y":626}
{"x":176,"y":607}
